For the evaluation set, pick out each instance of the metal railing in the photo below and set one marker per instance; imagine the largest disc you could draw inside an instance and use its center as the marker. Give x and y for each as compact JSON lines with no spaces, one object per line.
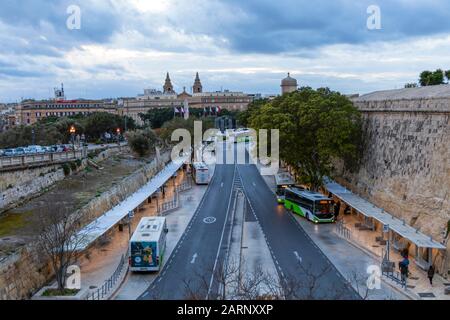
{"x":342,"y":230}
{"x":109,"y":284}
{"x":184,"y":186}
{"x":29,"y":160}
{"x":169,"y":205}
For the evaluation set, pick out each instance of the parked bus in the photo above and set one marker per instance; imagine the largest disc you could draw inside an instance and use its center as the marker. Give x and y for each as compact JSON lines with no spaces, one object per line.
{"x":200,"y":173}
{"x":283,"y":180}
{"x":148,"y":244}
{"x":312,"y":205}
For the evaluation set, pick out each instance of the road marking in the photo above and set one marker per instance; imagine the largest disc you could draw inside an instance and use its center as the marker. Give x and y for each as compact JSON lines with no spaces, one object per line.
{"x":300,"y":260}
{"x":209,"y":220}
{"x":194,"y":257}
{"x":221,"y":237}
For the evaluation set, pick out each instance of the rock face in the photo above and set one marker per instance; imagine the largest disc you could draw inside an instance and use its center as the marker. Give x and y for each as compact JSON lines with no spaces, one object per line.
{"x":406,"y":164}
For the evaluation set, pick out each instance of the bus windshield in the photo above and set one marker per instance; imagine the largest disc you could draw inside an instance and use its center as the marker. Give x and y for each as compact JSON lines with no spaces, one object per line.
{"x":323,"y":208}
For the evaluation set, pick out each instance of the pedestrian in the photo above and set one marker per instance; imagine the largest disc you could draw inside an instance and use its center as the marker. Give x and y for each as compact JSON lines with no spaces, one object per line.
{"x":431,"y":274}
{"x":403,"y":271}
{"x":337,"y":209}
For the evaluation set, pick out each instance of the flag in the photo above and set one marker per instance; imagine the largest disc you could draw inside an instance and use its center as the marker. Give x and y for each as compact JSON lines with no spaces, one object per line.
{"x":186,"y":109}
{"x":204,"y":111}
{"x":176,"y":110}
{"x":218,"y":109}
{"x":210,"y":110}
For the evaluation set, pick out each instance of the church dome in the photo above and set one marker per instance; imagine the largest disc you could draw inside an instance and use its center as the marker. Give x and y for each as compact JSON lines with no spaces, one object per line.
{"x":289,"y":81}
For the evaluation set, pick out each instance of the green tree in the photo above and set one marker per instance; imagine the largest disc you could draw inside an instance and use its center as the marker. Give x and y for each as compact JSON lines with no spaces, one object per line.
{"x":447,"y":75}
{"x":316,"y":128}
{"x":244,"y":116}
{"x":411,"y":85}
{"x":429,"y":78}
{"x":142,"y":141}
{"x":156,"y":117}
{"x":180,"y":123}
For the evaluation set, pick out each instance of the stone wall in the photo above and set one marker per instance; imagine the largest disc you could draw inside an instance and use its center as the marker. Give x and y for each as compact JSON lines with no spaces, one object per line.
{"x":24,"y":273}
{"x":21,"y":185}
{"x":406,"y":163}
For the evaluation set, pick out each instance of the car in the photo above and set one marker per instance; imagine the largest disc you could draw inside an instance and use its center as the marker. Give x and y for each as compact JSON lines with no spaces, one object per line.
{"x":20,"y":151}
{"x":2,"y":153}
{"x":10,"y":152}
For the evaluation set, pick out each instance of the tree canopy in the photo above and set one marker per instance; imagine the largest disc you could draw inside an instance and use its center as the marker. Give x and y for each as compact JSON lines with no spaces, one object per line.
{"x":432,"y":78}
{"x":316,"y":127}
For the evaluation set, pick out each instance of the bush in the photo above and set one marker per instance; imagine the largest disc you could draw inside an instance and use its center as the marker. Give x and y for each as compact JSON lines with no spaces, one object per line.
{"x":73,"y":166}
{"x":66,"y":169}
{"x":141,"y":141}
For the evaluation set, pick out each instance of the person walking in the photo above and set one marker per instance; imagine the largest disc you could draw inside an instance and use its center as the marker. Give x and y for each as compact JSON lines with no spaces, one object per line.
{"x":431,"y":274}
{"x":337,"y":209}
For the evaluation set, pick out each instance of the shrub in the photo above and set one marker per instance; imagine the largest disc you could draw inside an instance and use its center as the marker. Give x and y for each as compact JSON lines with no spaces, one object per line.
{"x":66,"y":169}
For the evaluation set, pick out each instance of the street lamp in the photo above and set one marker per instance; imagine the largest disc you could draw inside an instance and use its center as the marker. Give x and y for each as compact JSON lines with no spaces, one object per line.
{"x":72,"y":131}
{"x":118,"y":131}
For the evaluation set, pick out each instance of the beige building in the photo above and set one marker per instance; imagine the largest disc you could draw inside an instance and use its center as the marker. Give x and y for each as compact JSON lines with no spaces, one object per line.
{"x":168,"y":98}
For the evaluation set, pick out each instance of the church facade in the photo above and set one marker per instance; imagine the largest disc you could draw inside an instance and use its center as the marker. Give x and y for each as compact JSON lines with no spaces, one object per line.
{"x":169,"y":98}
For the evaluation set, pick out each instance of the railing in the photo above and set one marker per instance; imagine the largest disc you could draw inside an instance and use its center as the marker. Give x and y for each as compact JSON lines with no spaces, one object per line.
{"x":169,"y":205}
{"x":342,"y":230}
{"x":109,"y":284}
{"x":186,"y":185}
{"x":40,"y":159}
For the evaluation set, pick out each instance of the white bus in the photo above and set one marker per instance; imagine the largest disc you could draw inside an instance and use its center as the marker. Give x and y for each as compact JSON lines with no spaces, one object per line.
{"x":148,"y":244}
{"x":200,"y":173}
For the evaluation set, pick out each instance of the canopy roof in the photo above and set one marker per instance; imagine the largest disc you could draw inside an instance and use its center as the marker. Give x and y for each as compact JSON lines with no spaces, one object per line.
{"x":101,"y":225}
{"x":371,"y":211}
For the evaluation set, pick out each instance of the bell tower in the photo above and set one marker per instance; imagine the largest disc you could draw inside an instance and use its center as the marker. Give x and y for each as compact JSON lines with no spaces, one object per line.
{"x":168,"y":87}
{"x":197,"y":87}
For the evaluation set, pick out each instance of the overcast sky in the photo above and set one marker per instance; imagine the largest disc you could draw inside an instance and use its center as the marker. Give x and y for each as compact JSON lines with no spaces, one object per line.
{"x":124,"y":46}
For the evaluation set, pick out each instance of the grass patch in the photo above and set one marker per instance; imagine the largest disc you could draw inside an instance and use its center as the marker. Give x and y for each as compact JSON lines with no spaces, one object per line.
{"x":58,"y":293}
{"x":11,"y":222}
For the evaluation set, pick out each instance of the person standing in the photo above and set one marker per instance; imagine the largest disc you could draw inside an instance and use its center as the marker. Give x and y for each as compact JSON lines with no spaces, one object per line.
{"x":337,"y":209}
{"x":431,"y":274}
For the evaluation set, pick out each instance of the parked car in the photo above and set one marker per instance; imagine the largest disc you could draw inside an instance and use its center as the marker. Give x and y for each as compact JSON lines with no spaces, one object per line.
{"x":20,"y":151}
{"x":2,"y":153}
{"x":10,"y":153}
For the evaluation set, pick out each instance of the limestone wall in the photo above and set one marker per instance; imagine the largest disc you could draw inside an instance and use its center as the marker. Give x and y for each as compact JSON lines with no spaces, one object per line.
{"x":24,"y":273}
{"x":406,"y":164}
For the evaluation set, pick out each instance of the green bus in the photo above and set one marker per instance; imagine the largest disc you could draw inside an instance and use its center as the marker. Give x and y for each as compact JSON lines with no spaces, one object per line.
{"x":313,"y":206}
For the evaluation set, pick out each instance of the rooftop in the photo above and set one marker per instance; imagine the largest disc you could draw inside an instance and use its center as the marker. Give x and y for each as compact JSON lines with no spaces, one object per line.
{"x":428,"y":92}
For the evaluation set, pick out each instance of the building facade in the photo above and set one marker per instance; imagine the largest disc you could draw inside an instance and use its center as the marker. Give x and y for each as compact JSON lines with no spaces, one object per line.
{"x":168,"y":98}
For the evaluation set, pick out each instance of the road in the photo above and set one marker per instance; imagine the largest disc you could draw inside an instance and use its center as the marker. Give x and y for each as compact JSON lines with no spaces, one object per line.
{"x":201,"y":251}
{"x":299,"y":261}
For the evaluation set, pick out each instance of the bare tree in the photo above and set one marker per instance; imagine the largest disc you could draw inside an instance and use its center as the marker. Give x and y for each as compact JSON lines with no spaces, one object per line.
{"x":59,"y":239}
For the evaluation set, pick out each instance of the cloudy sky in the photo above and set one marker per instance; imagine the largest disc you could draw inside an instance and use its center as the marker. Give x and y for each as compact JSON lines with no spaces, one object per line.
{"x":124,"y":46}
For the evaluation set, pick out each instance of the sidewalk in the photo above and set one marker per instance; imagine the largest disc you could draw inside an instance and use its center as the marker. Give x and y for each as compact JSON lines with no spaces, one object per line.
{"x":418,"y":282}
{"x":100,"y":262}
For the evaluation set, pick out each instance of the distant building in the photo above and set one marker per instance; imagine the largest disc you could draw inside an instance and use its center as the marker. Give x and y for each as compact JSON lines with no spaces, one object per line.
{"x":153,"y":98}
{"x":30,"y":111}
{"x":288,"y":85}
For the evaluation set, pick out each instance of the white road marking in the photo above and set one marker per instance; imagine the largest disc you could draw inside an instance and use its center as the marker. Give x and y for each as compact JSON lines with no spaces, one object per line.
{"x":297,"y":256}
{"x":194,"y":257}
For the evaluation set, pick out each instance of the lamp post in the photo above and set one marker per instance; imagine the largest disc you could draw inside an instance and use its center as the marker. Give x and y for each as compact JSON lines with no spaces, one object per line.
{"x":118,"y":131}
{"x":72,"y":131}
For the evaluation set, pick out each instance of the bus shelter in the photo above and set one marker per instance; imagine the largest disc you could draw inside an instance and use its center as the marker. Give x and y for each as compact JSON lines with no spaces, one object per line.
{"x":93,"y":231}
{"x":400,"y":235}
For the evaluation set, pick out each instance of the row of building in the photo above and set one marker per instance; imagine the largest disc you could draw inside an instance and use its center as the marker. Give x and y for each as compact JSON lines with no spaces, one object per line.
{"x":30,"y":111}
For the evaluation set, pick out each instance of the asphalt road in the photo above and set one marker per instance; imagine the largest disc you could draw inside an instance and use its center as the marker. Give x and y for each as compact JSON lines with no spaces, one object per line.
{"x":201,"y":250}
{"x":299,"y":262}
{"x":196,"y":260}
